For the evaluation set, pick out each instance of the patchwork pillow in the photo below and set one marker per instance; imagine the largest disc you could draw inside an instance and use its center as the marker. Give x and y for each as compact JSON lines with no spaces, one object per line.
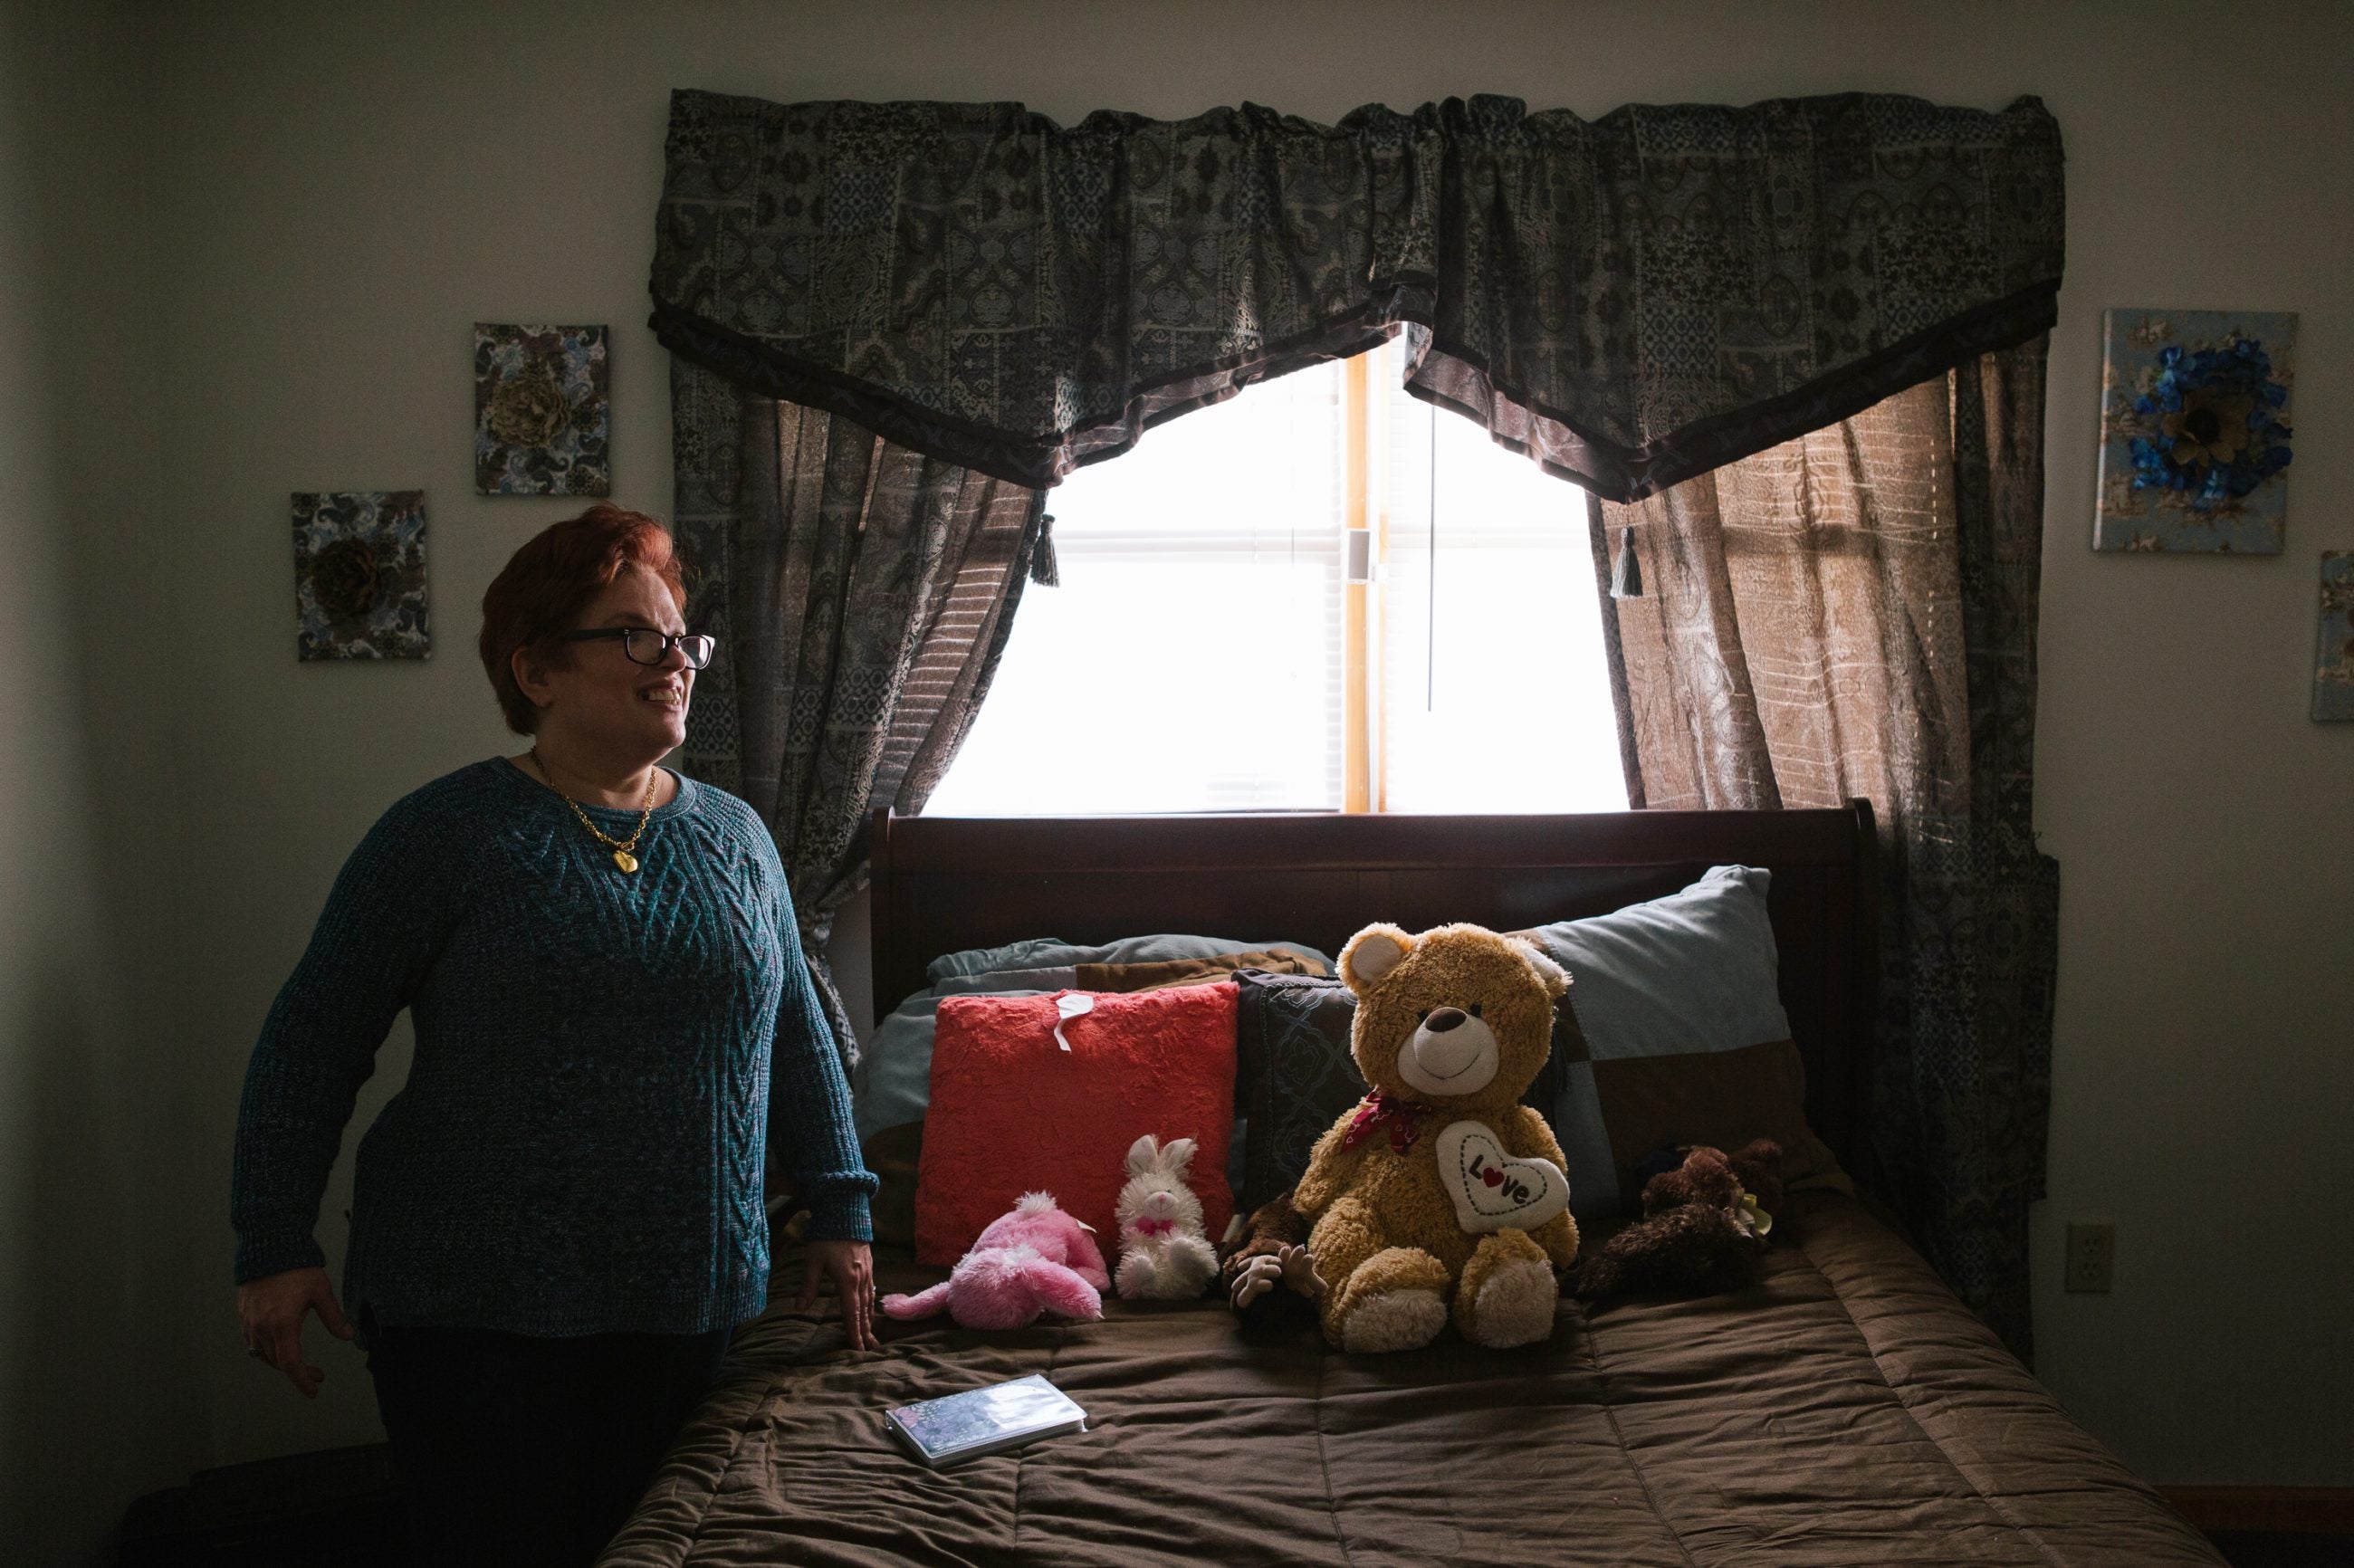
{"x":1294,"y":1076}
{"x":1673,"y":1032}
{"x":1194,"y":972}
{"x":1013,"y":1112}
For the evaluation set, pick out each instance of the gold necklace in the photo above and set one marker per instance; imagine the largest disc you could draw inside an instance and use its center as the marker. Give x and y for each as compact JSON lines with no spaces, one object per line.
{"x":621,"y":848}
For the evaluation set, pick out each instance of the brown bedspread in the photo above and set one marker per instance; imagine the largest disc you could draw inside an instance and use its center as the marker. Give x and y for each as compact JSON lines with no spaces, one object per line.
{"x":1843,"y":1410}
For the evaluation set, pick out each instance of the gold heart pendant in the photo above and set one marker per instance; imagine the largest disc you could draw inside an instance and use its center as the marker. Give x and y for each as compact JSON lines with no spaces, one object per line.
{"x":625,"y":860}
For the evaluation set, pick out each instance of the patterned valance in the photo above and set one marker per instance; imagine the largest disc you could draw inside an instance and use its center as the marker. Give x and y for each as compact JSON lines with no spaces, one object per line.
{"x":1632,"y":301}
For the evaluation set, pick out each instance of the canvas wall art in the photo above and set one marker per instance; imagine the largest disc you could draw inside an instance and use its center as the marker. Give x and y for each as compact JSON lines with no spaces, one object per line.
{"x":359,"y":573}
{"x":2195,"y":434}
{"x":542,"y":412}
{"x":2333,"y":659}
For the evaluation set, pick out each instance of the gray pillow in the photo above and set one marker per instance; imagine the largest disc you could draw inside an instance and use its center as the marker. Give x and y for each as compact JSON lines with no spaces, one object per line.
{"x":1038,"y":952}
{"x":892,"y":1084}
{"x":1053,"y":952}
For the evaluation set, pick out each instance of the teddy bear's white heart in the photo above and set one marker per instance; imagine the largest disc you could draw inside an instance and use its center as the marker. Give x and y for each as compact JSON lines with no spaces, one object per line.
{"x":1492,"y":1190}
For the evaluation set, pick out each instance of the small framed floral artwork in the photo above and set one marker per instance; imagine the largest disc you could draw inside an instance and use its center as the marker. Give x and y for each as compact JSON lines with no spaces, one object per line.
{"x":359,"y":573}
{"x":2195,"y":431}
{"x":2333,"y":659}
{"x":542,"y":413}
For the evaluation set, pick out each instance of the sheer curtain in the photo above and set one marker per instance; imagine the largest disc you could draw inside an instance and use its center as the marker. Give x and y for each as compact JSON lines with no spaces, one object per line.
{"x":1853,"y":612}
{"x":862,"y":594}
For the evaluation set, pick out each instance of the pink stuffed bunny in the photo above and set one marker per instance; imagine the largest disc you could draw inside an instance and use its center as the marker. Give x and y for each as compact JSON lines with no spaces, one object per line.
{"x":1036,"y":1259}
{"x":1163,"y":1253}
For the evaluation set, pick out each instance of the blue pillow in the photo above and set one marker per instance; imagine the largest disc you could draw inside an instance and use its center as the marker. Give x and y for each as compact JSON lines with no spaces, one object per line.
{"x":1675,"y":1033}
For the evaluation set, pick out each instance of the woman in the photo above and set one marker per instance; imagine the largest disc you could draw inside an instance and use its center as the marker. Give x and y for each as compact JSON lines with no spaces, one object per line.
{"x":558,"y":1220}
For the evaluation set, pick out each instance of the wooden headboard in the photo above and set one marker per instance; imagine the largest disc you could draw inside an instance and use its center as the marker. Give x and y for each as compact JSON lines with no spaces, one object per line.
{"x":942,"y":884}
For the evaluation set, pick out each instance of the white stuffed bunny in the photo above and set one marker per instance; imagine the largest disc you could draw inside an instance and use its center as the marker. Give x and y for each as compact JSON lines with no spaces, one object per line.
{"x":1164,"y":1255}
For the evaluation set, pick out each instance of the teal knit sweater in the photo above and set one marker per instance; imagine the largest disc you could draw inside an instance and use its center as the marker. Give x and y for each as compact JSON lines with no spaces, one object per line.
{"x":602,"y":1062}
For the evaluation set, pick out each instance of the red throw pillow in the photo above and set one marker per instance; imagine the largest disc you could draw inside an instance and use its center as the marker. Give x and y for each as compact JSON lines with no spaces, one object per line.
{"x":1012,"y":1112}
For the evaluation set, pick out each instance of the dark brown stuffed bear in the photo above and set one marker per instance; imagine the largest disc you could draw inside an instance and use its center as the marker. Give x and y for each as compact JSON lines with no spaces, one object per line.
{"x":1268,"y":1278}
{"x":1702,"y":1226}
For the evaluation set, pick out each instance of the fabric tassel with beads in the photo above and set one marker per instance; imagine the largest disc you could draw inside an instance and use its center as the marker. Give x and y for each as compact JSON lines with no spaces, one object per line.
{"x":1627,"y":577}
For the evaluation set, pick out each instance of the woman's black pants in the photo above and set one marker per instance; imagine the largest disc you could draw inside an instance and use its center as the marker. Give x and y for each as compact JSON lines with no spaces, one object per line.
{"x":524,"y":1451}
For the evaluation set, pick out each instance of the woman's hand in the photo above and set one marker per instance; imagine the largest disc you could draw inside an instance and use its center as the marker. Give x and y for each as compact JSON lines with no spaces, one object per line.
{"x":270,"y":1313}
{"x":853,"y":1268}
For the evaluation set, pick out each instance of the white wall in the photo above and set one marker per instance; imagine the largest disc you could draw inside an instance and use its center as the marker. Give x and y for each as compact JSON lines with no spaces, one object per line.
{"x":99,"y":1395}
{"x":335,"y":194}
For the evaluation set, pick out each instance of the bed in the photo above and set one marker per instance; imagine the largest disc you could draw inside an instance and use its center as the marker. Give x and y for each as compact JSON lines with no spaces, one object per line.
{"x":1842,"y":1409}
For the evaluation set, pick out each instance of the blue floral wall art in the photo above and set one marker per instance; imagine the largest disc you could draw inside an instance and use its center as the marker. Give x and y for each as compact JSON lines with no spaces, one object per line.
{"x":359,"y":573}
{"x":2195,"y":435}
{"x":2333,"y":659}
{"x":542,"y":410}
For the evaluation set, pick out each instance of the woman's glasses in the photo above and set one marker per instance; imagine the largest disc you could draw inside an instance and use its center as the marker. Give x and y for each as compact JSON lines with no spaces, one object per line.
{"x":646,"y":646}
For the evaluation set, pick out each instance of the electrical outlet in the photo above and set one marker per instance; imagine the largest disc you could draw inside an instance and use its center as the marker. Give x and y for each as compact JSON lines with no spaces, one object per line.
{"x":2092,"y":1256}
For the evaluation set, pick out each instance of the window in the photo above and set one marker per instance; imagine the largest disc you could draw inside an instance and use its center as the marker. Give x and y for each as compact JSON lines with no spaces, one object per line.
{"x":1206,"y":650}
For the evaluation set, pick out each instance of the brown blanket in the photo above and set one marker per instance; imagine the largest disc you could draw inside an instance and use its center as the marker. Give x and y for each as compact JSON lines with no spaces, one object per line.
{"x":1843,"y":1410}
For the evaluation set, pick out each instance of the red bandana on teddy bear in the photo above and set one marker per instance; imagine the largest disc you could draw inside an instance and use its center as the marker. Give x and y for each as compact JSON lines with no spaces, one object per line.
{"x":1404,"y":1117}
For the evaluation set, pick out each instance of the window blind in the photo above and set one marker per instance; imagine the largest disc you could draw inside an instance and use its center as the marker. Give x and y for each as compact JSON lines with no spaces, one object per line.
{"x":1192,"y":658}
{"x":1494,"y":695}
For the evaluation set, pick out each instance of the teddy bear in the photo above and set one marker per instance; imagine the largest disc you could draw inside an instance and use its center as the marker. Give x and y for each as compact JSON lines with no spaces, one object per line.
{"x":1035,"y":1260}
{"x":1703,"y":1224}
{"x":1164,"y":1256}
{"x":1439,"y":1191}
{"x":1268,"y":1274}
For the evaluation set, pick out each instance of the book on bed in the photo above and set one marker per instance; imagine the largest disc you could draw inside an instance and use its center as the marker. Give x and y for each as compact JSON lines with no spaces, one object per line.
{"x":961,"y":1427}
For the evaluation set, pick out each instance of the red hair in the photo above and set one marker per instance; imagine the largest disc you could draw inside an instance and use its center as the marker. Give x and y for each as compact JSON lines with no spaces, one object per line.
{"x":539,"y":593}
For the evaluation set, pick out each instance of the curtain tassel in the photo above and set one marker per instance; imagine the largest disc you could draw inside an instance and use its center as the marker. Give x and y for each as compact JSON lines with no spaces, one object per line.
{"x":1043,"y":571}
{"x":1627,"y":577}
